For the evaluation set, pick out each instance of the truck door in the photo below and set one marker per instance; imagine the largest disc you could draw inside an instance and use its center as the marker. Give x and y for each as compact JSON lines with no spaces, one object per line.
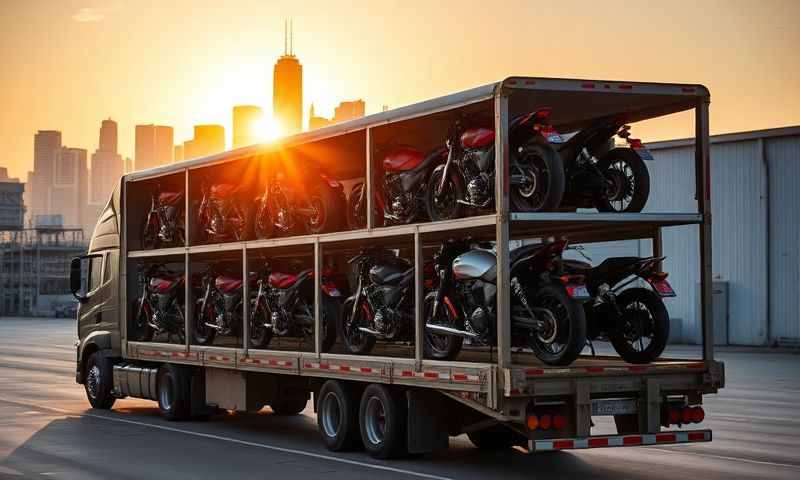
{"x":97,"y":311}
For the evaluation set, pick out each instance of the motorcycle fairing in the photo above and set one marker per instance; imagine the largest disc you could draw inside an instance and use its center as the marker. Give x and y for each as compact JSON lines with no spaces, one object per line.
{"x":163,"y":284}
{"x":226,"y":284}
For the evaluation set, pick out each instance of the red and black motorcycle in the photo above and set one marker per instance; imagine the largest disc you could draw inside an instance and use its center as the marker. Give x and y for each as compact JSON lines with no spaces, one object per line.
{"x":466,"y":180}
{"x":401,"y":197}
{"x":223,"y":214}
{"x":159,"y":309}
{"x":634,"y":319}
{"x":299,"y":202}
{"x":284,"y":306}
{"x":218,"y":307}
{"x":599,"y":175}
{"x":164,"y":225}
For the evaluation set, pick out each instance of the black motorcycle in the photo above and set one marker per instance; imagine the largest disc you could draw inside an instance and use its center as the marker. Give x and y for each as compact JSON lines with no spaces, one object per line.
{"x":297,"y":201}
{"x":608,"y":179}
{"x":284,"y":306}
{"x":222,"y":214}
{"x":159,"y":309}
{"x":219,"y":309}
{"x":382,"y":305}
{"x":401,"y":197}
{"x":546,"y":313}
{"x":163,"y":225}
{"x":634,"y":319}
{"x":466,"y":180}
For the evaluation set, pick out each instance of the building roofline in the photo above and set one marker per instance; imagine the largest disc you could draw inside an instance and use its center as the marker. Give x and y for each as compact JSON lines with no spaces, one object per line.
{"x":790,"y":131}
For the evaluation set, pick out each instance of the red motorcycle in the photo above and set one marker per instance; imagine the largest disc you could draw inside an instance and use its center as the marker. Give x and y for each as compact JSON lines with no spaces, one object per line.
{"x":221,"y":215}
{"x":164,"y":226}
{"x":159,"y":309}
{"x":218,"y":307}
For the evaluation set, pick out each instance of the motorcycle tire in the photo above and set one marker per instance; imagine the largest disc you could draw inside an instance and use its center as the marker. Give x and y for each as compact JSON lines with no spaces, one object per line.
{"x":657,"y":317}
{"x":612,"y":165}
{"x":259,"y":336}
{"x":244,"y":232}
{"x":441,"y":346}
{"x":355,"y":342}
{"x":142,"y":331}
{"x":356,"y":217}
{"x":568,"y":326}
{"x":148,"y":239}
{"x":202,"y":334}
{"x":542,"y":163}
{"x":330,"y":317}
{"x":263,"y":224}
{"x":448,"y":208}
{"x":328,"y":204}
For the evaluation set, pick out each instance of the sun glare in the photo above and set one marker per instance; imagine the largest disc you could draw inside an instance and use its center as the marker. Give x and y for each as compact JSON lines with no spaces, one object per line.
{"x":267,"y":129}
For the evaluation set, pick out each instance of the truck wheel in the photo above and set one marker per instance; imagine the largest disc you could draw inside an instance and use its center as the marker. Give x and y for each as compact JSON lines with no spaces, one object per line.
{"x":289,"y":406}
{"x":174,"y":398}
{"x":99,"y":381}
{"x":382,"y":418}
{"x":496,"y":437}
{"x":337,"y":416}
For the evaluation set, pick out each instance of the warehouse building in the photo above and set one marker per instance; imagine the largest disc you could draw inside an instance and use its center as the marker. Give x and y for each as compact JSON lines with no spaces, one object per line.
{"x":755,"y":201}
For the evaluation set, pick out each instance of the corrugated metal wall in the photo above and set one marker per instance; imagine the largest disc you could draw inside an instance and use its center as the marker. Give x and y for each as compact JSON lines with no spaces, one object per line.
{"x":751,"y":250}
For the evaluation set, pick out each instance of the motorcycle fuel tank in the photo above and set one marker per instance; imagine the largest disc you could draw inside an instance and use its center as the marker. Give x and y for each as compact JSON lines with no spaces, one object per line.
{"x":389,"y":271}
{"x":476,"y":265}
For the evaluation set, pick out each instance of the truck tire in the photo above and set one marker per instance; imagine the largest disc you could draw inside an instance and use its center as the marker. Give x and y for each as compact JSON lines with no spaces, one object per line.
{"x":174,"y":394}
{"x":496,"y":437}
{"x":99,"y":381}
{"x":289,"y":406}
{"x":337,"y":416}
{"x":383,"y":422}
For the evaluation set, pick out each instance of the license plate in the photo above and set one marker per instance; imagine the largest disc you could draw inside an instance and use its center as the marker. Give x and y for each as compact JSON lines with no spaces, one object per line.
{"x":644,"y":154}
{"x":614,"y":406}
{"x":578,"y":292}
{"x":663,"y":288}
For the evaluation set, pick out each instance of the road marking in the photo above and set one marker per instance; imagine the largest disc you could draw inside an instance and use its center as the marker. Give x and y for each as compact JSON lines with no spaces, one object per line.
{"x":723,"y":457}
{"x":233,"y":440}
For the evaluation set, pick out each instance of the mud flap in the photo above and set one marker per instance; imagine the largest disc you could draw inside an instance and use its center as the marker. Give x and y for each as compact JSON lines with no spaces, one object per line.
{"x":427,"y":428}
{"x":197,"y":389}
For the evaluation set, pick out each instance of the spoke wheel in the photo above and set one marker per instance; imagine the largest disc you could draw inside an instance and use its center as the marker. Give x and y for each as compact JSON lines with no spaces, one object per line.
{"x":440,"y":346}
{"x":628,"y":182}
{"x":543,"y":181}
{"x":355,"y":340}
{"x":563,"y":336}
{"x":640,"y":334}
{"x":445,"y":205}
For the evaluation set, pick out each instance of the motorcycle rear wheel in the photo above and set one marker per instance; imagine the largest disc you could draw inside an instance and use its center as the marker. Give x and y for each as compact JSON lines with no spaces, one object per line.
{"x":564,"y":341}
{"x":631,"y":179}
{"x":541,"y":166}
{"x":640,"y":305}
{"x":355,"y":341}
{"x":202,"y":334}
{"x":441,"y":346}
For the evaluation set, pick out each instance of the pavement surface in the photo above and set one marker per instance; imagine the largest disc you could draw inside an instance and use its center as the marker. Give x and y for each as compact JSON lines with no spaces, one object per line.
{"x":48,"y":430}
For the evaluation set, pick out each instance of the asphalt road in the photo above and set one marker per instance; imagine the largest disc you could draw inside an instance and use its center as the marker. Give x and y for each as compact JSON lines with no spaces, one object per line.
{"x":47,"y":430}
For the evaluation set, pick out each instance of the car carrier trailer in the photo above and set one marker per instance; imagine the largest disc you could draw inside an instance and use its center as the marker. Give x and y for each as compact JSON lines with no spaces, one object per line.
{"x":409,"y":403}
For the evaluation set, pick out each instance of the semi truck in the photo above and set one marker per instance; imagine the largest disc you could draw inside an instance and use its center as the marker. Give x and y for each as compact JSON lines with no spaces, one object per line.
{"x":393,"y":401}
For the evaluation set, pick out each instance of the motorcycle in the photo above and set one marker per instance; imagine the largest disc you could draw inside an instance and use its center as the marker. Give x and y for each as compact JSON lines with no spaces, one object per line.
{"x":221,"y":215}
{"x":163,"y":226}
{"x":401,"y":196}
{"x":219,"y":308}
{"x":159,"y":309}
{"x":608,"y":179}
{"x":466,"y":179}
{"x":284,"y":306}
{"x":285,"y":208}
{"x":634,"y":319}
{"x":546,"y":311}
{"x":382,"y":305}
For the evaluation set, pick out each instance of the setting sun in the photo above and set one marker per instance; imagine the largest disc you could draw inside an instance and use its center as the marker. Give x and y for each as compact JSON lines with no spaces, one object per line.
{"x":267,"y":129}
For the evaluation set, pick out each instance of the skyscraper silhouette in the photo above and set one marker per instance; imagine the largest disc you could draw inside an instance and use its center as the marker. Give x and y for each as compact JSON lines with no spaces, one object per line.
{"x":153,"y":146}
{"x":245,"y":118}
{"x":45,"y":145}
{"x":108,"y":136}
{"x":208,"y":140}
{"x":107,"y":165}
{"x":287,"y":87}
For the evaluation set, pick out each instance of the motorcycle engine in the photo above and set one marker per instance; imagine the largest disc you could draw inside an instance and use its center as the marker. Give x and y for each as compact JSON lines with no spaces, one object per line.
{"x":482,"y":315}
{"x":386,"y":320}
{"x":479,"y":183}
{"x":167,"y":229}
{"x":401,"y":202}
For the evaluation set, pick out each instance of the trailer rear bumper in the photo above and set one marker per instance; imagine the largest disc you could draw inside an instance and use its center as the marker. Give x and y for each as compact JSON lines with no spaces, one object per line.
{"x":663,"y":438}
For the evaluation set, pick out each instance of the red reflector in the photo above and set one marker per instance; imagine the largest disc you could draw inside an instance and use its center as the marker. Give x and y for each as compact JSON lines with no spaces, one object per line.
{"x":562,"y":444}
{"x":594,"y":369}
{"x":698,"y":415}
{"x":696,"y":436}
{"x":587,"y":85}
{"x":542,"y":113}
{"x":545,"y":422}
{"x":598,"y":442}
{"x":666,"y":438}
{"x":625,"y":87}
{"x":634,"y":440}
{"x":559,"y":422}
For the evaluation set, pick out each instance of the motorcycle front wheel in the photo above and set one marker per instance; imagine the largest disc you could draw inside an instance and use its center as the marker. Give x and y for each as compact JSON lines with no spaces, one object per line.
{"x":445,"y":205}
{"x":564,"y":334}
{"x":640,"y":334}
{"x":264,"y":223}
{"x":325,"y":204}
{"x":330,"y":318}
{"x":543,"y":181}
{"x":630,"y":182}
{"x":441,"y":346}
{"x":149,"y":235}
{"x":142,"y":331}
{"x":260,"y":336}
{"x":357,"y":212}
{"x":202,"y":333}
{"x":355,"y":341}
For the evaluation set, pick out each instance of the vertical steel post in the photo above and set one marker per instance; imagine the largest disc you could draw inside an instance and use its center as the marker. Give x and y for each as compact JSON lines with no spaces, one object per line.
{"x":419,"y":316}
{"x":501,"y":226}
{"x":245,"y":301}
{"x":658,"y":245}
{"x":188,"y":310}
{"x":368,"y":179}
{"x":703,"y":178}
{"x":123,"y":266}
{"x":318,"y":297}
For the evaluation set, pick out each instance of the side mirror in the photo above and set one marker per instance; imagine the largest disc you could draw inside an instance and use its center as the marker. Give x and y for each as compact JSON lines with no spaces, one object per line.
{"x":77,"y":275}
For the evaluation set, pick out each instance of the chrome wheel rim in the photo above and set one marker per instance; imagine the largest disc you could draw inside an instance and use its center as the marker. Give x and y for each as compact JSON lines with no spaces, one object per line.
{"x":331,"y":414}
{"x":375,"y":421}
{"x":93,"y":381}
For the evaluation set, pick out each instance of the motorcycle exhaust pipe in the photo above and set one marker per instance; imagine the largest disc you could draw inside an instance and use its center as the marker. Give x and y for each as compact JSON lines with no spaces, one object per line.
{"x":450,"y":331}
{"x":214,"y":326}
{"x":372,"y":332}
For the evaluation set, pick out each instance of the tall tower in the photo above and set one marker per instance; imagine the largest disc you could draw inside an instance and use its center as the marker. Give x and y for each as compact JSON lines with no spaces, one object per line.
{"x":153,"y":146}
{"x":287,"y":87}
{"x":245,"y":120}
{"x":107,"y":166}
{"x":108,"y":136}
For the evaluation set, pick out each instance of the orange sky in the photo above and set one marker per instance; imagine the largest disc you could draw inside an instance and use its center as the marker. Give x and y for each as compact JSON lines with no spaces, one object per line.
{"x":66,"y":65}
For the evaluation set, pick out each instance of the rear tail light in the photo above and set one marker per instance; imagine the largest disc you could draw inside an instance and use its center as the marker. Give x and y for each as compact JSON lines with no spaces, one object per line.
{"x":532,"y":422}
{"x":559,"y":422}
{"x":542,"y":113}
{"x":698,"y":415}
{"x":684,"y":415}
{"x":545,"y":422}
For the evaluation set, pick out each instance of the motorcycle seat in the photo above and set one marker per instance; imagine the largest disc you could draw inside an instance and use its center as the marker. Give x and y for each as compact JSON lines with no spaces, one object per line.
{"x":282,"y":280}
{"x":403,"y":159}
{"x":170,"y":198}
{"x":221,"y":191}
{"x":604,"y":270}
{"x":227,"y":284}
